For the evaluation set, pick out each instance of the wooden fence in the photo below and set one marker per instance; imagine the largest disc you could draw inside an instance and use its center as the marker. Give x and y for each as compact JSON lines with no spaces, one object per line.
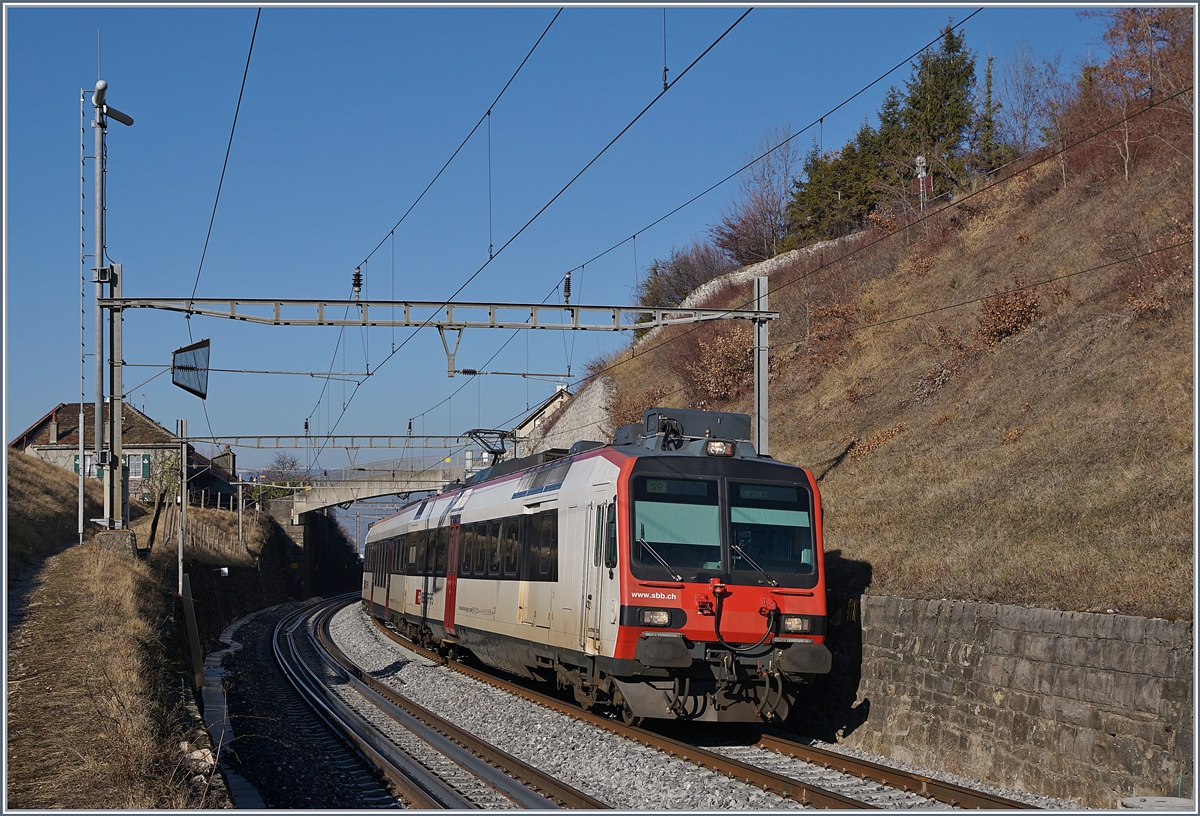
{"x":203,"y":542}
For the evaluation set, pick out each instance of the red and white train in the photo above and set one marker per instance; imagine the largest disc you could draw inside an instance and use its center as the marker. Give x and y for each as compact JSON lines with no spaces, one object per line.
{"x":674,"y":573}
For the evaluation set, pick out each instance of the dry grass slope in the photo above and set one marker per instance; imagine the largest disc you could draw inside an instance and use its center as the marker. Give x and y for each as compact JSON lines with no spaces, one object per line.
{"x":90,"y":724}
{"x":1032,"y":445}
{"x":41,"y":519}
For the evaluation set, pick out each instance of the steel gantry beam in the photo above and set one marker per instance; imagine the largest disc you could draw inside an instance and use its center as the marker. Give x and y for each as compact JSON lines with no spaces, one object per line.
{"x":446,"y":316}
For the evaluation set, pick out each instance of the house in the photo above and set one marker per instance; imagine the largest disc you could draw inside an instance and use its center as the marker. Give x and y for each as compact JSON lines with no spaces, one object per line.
{"x":530,"y":430}
{"x":147,"y":447}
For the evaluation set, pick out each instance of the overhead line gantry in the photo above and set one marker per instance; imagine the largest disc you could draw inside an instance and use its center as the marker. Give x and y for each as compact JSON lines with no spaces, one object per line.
{"x":445,"y":317}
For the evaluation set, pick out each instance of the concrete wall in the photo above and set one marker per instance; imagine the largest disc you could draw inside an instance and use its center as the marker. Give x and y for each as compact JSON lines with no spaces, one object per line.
{"x":1068,"y":704}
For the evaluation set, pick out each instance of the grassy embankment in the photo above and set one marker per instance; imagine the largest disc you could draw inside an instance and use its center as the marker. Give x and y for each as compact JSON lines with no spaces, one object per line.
{"x":92,"y":720}
{"x":1031,"y":448}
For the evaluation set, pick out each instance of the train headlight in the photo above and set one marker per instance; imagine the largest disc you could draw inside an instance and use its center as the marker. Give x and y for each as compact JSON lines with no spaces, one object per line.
{"x":797,"y":624}
{"x":717,"y":447}
{"x":656,"y":617}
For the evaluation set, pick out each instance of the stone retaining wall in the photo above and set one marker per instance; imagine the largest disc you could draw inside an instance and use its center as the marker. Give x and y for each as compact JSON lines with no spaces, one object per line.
{"x":1075,"y":705}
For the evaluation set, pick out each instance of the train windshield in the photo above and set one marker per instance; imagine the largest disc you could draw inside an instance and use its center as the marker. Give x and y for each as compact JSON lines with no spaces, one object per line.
{"x":677,"y":526}
{"x":771,"y":528}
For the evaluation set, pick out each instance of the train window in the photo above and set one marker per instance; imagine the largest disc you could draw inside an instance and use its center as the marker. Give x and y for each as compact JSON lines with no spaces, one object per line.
{"x":610,"y":540}
{"x":422,"y":542}
{"x":412,"y":553}
{"x":771,"y":528}
{"x":599,"y":535}
{"x":676,"y":521}
{"x":443,"y":543}
{"x":511,"y":536}
{"x":398,"y":555}
{"x":548,"y":545}
{"x":467,"y":537}
{"x":494,"y":553}
{"x":481,"y":548}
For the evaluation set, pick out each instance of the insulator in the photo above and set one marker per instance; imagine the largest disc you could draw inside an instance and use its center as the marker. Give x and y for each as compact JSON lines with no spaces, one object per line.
{"x":357,"y":281}
{"x":567,"y":289}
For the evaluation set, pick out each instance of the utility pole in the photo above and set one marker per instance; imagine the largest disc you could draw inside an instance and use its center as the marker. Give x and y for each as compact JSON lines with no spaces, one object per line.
{"x":181,"y":428}
{"x":99,"y":126}
{"x":110,"y":459}
{"x":761,"y":347}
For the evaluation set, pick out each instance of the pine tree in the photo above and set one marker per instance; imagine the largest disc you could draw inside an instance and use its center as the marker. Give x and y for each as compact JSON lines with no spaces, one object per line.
{"x":938,"y":109}
{"x":988,"y":151}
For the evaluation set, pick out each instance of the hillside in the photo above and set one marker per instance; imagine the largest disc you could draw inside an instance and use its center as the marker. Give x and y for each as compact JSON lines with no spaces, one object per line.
{"x":42,"y":510}
{"x":94,"y":719}
{"x":996,"y":399}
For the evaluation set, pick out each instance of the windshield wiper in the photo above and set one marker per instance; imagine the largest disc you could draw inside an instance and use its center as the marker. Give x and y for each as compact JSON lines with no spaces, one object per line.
{"x":770,"y":580}
{"x":671,"y":570}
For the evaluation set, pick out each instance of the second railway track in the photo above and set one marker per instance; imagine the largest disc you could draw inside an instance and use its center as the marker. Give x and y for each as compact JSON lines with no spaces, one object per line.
{"x":431,"y":763}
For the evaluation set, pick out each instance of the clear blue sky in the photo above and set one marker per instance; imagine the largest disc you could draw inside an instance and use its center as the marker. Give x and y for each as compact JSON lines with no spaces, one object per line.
{"x":347,"y":115}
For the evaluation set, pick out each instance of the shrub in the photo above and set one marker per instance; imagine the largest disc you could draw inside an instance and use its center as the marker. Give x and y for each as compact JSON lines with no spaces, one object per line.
{"x":1007,"y":313}
{"x":724,"y":366}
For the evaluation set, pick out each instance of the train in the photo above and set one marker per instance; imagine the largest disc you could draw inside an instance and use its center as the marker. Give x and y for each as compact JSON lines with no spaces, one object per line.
{"x":674,"y":573}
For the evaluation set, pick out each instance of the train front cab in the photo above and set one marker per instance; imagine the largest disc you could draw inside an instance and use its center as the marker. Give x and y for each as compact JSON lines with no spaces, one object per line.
{"x":722,"y":601}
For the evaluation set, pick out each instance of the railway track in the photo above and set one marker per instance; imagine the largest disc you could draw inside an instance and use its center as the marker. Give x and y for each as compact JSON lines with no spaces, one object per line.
{"x":431,"y":762}
{"x":947,"y":792}
{"x":794,"y":770}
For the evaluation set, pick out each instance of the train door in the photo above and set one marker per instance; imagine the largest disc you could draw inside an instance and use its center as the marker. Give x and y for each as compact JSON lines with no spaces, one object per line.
{"x":404,"y":561}
{"x":452,"y":559}
{"x":610,"y":578}
{"x":368,"y":554}
{"x":379,"y":577}
{"x":388,"y":561}
{"x":572,"y":552}
{"x":598,"y":588}
{"x":543,"y":567}
{"x":538,"y":567}
{"x":433,"y":596}
{"x":526,"y":597}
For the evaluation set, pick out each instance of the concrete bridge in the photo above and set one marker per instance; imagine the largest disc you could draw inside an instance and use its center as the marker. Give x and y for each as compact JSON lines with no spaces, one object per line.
{"x":328,"y":493}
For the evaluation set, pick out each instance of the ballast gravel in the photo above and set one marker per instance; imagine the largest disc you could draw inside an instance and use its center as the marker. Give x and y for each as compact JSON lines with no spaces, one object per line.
{"x":614,"y":770}
{"x":1032,"y":799}
{"x":610,"y":768}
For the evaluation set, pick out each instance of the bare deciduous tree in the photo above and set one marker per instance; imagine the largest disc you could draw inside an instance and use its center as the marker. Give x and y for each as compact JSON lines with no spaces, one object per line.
{"x":756,"y":224}
{"x":1020,"y":118}
{"x":164,"y":481}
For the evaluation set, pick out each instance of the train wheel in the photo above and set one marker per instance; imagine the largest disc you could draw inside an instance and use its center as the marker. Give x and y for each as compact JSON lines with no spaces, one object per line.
{"x":628,"y":717}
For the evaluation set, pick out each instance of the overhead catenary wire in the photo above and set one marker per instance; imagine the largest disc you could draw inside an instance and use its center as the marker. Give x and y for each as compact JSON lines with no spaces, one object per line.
{"x":467,"y":138}
{"x":548,"y":204}
{"x":392,"y":232}
{"x":756,"y":159}
{"x":633,"y":238}
{"x":706,"y":191}
{"x":228,"y":148}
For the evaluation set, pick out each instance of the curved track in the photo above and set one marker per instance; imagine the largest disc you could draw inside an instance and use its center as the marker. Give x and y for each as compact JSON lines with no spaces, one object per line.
{"x":432,"y":763}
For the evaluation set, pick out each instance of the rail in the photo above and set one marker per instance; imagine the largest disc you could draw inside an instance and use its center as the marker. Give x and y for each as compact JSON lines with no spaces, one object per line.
{"x":784,"y":786}
{"x":488,"y":767}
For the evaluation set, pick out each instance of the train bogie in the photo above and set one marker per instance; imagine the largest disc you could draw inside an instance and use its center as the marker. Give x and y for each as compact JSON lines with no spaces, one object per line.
{"x":674,"y":575}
